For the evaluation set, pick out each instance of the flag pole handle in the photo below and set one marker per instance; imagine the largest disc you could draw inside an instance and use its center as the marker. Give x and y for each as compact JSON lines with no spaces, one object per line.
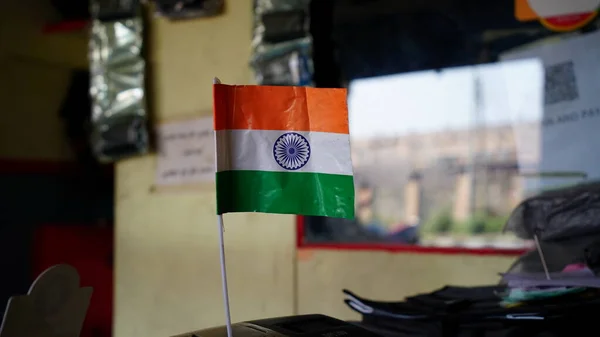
{"x":224,"y":274}
{"x":221,"y":228}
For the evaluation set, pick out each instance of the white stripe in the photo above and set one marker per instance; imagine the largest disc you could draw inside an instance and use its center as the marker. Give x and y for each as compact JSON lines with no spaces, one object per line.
{"x":253,"y":150}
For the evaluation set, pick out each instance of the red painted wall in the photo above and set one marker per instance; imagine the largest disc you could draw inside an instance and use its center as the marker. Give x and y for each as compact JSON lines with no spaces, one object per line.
{"x":90,"y":250}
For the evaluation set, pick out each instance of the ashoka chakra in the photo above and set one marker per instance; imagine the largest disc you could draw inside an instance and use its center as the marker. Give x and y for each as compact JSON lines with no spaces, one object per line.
{"x":291,"y":151}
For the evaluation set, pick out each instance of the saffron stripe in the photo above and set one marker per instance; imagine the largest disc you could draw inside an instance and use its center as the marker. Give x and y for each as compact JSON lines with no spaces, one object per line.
{"x":242,"y":107}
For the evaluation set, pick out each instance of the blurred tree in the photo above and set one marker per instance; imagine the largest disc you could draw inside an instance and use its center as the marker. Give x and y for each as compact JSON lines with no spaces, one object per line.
{"x":440,"y":223}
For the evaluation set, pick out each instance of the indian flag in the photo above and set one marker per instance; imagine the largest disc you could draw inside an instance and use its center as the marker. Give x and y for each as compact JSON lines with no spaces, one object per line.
{"x":283,"y":150}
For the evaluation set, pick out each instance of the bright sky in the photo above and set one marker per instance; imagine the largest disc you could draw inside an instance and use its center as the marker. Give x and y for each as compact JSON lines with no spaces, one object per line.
{"x":429,"y":101}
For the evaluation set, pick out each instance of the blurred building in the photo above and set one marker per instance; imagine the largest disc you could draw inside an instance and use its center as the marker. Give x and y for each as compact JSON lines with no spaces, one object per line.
{"x":464,"y":171}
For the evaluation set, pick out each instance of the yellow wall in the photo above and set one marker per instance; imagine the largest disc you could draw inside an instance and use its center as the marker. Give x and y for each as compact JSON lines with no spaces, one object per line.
{"x":34,"y":77}
{"x":167,"y":262}
{"x":167,"y":265}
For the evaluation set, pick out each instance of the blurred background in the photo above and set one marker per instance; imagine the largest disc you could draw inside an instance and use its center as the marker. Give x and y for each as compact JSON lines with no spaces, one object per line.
{"x":458,"y":113}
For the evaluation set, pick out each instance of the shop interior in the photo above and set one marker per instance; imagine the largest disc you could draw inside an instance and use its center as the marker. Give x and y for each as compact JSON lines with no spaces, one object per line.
{"x":472,"y":137}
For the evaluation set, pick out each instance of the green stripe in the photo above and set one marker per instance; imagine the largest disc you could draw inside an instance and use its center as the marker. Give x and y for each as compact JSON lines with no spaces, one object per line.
{"x":299,"y":193}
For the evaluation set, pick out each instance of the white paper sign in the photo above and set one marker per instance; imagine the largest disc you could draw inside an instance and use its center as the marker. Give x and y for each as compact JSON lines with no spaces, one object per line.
{"x":186,"y":152}
{"x":570,"y":125}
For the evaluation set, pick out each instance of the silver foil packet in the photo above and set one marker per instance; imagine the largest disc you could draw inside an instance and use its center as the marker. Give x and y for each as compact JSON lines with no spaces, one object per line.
{"x":187,"y":9}
{"x":281,"y":44}
{"x":278,"y":21}
{"x":117,"y":89}
{"x":284,"y":64}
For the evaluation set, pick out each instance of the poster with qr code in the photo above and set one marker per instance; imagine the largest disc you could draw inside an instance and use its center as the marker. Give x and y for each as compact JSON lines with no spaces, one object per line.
{"x":569,"y":136}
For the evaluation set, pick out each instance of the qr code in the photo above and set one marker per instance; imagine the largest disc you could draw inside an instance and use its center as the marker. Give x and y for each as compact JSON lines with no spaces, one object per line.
{"x":560,"y":83}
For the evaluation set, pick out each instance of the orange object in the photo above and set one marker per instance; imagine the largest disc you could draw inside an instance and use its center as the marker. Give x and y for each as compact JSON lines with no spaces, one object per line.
{"x":560,"y":22}
{"x":567,"y":23}
{"x":252,"y":107}
{"x":524,"y":12}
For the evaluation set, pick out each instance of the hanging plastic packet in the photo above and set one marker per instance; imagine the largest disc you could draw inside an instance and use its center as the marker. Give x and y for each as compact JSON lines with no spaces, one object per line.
{"x":117,"y":81}
{"x":285,"y":64}
{"x":282,"y":43}
{"x":185,"y":9}
{"x":278,"y":21}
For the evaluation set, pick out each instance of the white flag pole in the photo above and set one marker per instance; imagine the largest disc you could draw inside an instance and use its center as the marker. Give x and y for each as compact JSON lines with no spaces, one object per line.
{"x":224,"y":274}
{"x":222,"y":253}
